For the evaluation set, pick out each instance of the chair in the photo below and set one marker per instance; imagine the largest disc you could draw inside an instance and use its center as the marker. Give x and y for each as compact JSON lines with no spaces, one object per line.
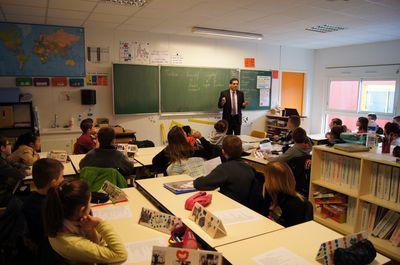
{"x":301,"y":174}
{"x":96,"y":176}
{"x":309,"y":211}
{"x":258,"y":134}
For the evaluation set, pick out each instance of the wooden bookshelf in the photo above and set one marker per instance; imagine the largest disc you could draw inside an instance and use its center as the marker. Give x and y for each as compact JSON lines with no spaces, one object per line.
{"x":321,"y":177}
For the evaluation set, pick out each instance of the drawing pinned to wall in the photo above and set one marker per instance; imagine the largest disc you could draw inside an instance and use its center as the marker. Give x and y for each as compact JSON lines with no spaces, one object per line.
{"x":263,"y":82}
{"x":23,"y":81}
{"x":142,"y":52}
{"x":98,"y":54}
{"x":249,"y":62}
{"x":76,"y":82}
{"x":152,"y":119}
{"x":177,"y":58}
{"x":264,"y":97}
{"x":41,"y":81}
{"x":159,"y":57}
{"x":125,"y":51}
{"x":59,"y":81}
{"x":97,"y":79}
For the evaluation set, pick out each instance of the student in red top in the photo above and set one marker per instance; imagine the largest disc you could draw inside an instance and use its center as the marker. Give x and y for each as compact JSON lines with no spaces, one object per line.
{"x":87,"y":141}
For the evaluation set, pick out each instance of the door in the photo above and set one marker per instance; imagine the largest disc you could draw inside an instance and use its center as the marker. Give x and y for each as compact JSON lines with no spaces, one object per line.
{"x":292,"y":91}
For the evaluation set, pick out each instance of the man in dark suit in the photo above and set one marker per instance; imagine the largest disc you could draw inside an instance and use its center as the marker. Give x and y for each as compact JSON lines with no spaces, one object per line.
{"x":232,"y":102}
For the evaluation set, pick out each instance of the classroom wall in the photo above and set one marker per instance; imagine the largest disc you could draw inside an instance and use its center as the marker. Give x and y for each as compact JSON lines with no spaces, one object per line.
{"x":354,"y":55}
{"x":196,"y":51}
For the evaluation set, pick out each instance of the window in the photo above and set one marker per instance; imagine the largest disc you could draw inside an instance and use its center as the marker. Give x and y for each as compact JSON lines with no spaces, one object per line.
{"x":350,"y":99}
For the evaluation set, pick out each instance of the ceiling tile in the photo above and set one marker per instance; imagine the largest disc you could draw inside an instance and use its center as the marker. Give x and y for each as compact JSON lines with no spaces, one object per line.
{"x":135,"y":27}
{"x":114,"y":9}
{"x":395,"y":4}
{"x":37,"y":3}
{"x":107,"y":18}
{"x":25,"y":19}
{"x":103,"y":25}
{"x":143,"y":21}
{"x":23,"y":10}
{"x":70,"y":14}
{"x":78,"y":5}
{"x":149,"y":12}
{"x":177,"y":5}
{"x":64,"y":21}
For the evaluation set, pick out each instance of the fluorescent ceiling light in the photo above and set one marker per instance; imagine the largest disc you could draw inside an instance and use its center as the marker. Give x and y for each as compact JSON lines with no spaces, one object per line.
{"x":138,"y":3}
{"x":325,"y":28}
{"x":227,"y":33}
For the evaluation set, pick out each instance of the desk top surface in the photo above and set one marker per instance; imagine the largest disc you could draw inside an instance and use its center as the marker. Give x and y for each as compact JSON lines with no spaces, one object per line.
{"x":303,"y":240}
{"x":133,"y":234}
{"x":175,"y":204}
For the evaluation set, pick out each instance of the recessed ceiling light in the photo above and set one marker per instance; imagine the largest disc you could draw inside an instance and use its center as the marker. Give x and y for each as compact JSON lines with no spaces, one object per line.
{"x":138,"y":3}
{"x":325,"y":28}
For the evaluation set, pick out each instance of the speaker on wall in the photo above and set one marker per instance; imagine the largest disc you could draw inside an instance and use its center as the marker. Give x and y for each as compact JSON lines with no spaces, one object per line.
{"x":88,"y":97}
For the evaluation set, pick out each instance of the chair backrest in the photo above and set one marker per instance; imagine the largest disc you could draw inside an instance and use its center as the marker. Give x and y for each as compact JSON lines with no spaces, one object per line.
{"x":96,"y":176}
{"x":309,"y":211}
{"x":258,"y":134}
{"x":301,"y":174}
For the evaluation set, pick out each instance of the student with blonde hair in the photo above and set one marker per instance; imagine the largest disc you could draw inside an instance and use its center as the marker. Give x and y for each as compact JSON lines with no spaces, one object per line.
{"x":285,"y":205}
{"x":74,"y":233}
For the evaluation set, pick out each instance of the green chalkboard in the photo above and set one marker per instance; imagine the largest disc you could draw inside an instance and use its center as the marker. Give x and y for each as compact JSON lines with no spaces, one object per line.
{"x":135,"y":89}
{"x":248,"y":84}
{"x":193,"y":89}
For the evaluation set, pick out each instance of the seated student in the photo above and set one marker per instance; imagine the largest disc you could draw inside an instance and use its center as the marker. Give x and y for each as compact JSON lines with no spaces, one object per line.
{"x":189,"y":136}
{"x":9,"y":175}
{"x":392,"y":133}
{"x":107,"y":156}
{"x":335,"y":121}
{"x":234,"y":177}
{"x":87,"y":141}
{"x":180,"y":153}
{"x":286,"y":206}
{"x":301,"y":147}
{"x":362,"y":125}
{"x":46,"y":173}
{"x":163,"y":159}
{"x":293,"y":123}
{"x":396,"y":119}
{"x":218,"y":134}
{"x":25,"y":149}
{"x":372,"y":123}
{"x":334,"y":134}
{"x":74,"y":233}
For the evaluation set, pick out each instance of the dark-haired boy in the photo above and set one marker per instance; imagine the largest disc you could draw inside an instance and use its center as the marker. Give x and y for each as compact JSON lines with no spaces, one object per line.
{"x":46,"y":173}
{"x":234,"y":177}
{"x":107,"y":156}
{"x":86,"y":141}
{"x":300,"y":148}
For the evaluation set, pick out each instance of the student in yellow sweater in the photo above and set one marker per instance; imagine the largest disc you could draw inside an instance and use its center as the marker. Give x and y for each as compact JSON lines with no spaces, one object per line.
{"x":74,"y":233}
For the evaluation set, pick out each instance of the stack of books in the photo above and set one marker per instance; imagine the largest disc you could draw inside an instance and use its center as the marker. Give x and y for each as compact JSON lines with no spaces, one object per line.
{"x":381,"y":222}
{"x":332,"y":205}
{"x":385,"y":181}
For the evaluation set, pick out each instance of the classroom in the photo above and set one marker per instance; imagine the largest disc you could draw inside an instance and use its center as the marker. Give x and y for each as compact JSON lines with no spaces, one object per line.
{"x":200,"y":132}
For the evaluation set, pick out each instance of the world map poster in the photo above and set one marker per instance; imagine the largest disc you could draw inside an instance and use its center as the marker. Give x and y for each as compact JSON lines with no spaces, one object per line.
{"x":41,"y":50}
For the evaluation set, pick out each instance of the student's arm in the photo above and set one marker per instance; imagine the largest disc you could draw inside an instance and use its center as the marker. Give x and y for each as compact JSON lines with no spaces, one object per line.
{"x":29,"y":157}
{"x":125,"y":165}
{"x":161,"y":161}
{"x":8,"y":171}
{"x":289,"y":154}
{"x":210,"y":151}
{"x":84,"y":250}
{"x":214,"y":180}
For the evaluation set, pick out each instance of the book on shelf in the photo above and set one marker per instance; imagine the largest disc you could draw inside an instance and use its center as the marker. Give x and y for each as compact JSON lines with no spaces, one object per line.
{"x":365,"y":209}
{"x":340,"y":170}
{"x":389,"y":225}
{"x":387,"y":177}
{"x":335,"y":212}
{"x":394,"y":185}
{"x":351,"y":209}
{"x":374,"y":177}
{"x":179,"y":187}
{"x":395,"y":238}
{"x":371,"y":218}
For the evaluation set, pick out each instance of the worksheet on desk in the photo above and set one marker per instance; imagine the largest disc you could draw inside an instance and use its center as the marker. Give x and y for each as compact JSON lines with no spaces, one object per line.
{"x":280,"y":256}
{"x":113,"y":212}
{"x":141,"y":251}
{"x":237,"y":216}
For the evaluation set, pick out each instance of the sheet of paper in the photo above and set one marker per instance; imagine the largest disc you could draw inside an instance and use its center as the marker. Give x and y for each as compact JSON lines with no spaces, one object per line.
{"x":280,"y":256}
{"x":263,"y":82}
{"x":264,"y":97}
{"x":237,"y":216}
{"x":159,"y":57}
{"x":141,"y":251}
{"x":125,"y":51}
{"x":113,"y":212}
{"x":209,"y":165}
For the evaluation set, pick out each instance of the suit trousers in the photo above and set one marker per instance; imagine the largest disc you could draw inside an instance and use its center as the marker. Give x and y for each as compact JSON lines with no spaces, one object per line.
{"x":234,"y":124}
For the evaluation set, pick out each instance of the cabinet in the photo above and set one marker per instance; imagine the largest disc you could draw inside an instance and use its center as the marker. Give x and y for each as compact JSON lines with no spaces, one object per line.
{"x":276,"y":125}
{"x":59,"y":139}
{"x":363,"y":177}
{"x":16,"y":118}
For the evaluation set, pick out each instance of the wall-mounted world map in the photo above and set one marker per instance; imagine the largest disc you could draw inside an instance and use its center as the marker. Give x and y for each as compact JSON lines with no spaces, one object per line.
{"x":41,"y":50}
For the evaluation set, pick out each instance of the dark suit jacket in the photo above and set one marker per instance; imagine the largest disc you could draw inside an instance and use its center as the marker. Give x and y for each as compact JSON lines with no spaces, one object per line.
{"x":227,"y":108}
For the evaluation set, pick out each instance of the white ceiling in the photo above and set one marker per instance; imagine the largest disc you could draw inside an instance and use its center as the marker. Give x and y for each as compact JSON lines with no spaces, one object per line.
{"x":282,"y":22}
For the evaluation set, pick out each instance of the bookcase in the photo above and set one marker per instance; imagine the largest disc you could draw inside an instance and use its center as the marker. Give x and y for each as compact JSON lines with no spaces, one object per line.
{"x":369,"y":180}
{"x":276,"y":124}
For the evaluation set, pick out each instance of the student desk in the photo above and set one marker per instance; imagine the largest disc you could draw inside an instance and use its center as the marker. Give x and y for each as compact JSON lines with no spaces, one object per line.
{"x":175,"y":204}
{"x":68,"y":168}
{"x":250,"y":139}
{"x":128,"y":228}
{"x":303,"y":240}
{"x":144,"y":156}
{"x":318,"y":139}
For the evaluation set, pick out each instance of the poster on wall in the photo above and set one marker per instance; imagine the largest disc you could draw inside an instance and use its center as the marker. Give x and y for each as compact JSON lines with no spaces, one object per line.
{"x":263,"y":82}
{"x":41,"y":50}
{"x":159,"y":57}
{"x":177,"y":58}
{"x":264,"y":97}
{"x":142,"y":52}
{"x":98,"y":54}
{"x":125,"y":51}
